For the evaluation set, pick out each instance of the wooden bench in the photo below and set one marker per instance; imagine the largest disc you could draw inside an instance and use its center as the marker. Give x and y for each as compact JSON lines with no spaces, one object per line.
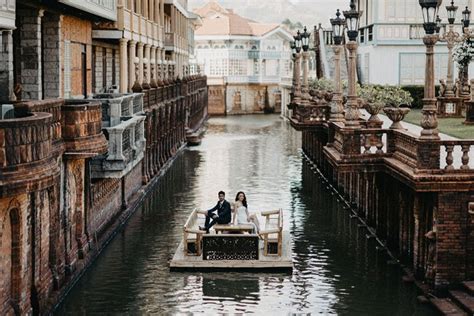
{"x":272,"y":233}
{"x":192,"y":236}
{"x":241,"y":228}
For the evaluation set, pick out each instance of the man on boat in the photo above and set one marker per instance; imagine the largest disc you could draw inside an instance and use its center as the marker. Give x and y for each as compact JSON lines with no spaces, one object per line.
{"x":223,"y":215}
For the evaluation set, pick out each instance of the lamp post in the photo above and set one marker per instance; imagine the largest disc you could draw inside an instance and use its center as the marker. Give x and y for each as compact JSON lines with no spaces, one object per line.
{"x":464,"y":73}
{"x":450,"y":38}
{"x":337,"y":108}
{"x":293,"y":86}
{"x":429,"y":122}
{"x":352,"y":109}
{"x":298,"y":45}
{"x":305,"y":46}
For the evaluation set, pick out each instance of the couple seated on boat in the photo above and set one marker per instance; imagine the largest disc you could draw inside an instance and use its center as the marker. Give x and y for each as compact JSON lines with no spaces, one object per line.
{"x":224,"y":213}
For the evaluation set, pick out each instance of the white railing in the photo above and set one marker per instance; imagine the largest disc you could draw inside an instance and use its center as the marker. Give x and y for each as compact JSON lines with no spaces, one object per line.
{"x":117,"y":106}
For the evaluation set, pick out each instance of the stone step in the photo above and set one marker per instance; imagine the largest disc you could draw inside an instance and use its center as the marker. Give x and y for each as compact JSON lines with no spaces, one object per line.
{"x":446,"y":307}
{"x":464,"y":300}
{"x":469,"y":286}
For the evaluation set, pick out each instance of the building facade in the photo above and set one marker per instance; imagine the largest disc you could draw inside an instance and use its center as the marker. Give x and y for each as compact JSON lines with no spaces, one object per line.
{"x":391,"y":34}
{"x":96,"y":99}
{"x":247,"y":63}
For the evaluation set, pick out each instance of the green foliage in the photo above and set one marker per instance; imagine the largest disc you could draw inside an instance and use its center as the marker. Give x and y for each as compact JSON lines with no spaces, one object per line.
{"x":389,"y":96}
{"x":322,"y":84}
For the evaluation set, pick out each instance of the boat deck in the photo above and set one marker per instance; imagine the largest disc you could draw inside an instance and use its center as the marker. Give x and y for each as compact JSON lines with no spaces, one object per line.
{"x":182,"y":262}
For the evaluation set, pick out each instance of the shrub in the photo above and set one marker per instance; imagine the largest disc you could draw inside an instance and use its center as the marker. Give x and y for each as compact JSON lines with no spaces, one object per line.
{"x":417,"y":93}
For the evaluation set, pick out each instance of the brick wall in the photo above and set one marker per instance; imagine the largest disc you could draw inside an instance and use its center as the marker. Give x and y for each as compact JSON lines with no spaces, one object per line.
{"x":99,"y":49}
{"x":216,"y":100}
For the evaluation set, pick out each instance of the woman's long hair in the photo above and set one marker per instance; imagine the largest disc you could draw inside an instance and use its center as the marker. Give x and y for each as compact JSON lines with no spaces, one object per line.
{"x":244,"y":202}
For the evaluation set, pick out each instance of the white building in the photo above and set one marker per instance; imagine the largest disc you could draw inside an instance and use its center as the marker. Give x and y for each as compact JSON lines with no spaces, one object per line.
{"x":248,"y":64}
{"x":391,"y":50}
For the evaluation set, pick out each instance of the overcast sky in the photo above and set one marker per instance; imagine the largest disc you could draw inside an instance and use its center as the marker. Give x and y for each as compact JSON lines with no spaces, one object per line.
{"x":309,"y":12}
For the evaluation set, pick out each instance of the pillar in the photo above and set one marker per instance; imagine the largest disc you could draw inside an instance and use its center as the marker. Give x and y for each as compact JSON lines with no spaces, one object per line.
{"x":6,"y":66}
{"x":123,"y":66}
{"x":131,"y":64}
{"x":140,"y":62}
{"x":52,"y":47}
{"x":153,"y":66}
{"x":352,"y":108}
{"x":146,"y":68}
{"x":30,"y":46}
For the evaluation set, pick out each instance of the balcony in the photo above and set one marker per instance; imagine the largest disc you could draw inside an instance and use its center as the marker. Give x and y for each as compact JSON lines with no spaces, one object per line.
{"x":171,"y":41}
{"x":116,"y":106}
{"x":103,"y":8}
{"x":124,"y":127}
{"x":256,"y":54}
{"x":27,"y":160}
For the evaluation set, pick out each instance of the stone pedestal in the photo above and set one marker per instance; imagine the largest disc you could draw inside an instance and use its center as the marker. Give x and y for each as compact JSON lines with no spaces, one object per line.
{"x":450,"y":106}
{"x":469,"y":113}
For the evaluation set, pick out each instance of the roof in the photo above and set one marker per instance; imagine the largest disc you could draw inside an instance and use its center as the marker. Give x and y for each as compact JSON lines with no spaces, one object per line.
{"x":217,"y":20}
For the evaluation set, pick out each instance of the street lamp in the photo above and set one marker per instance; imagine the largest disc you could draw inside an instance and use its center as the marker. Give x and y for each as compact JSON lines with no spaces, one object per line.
{"x":352,"y":109}
{"x":430,"y":11}
{"x":305,"y":45}
{"x":337,"y":108}
{"x":451,"y":38}
{"x":466,"y":16}
{"x":297,"y":65}
{"x":337,"y":28}
{"x":438,"y":24}
{"x":429,"y":122}
{"x":452,"y":9}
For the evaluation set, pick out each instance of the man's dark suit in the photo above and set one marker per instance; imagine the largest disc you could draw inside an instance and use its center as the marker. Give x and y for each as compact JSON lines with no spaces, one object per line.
{"x":223,"y":211}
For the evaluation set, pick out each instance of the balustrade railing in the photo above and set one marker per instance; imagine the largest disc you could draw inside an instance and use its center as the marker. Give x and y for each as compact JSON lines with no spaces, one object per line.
{"x":456,"y":155}
{"x":126,"y":139}
{"x":311,"y":114}
{"x":117,"y":106}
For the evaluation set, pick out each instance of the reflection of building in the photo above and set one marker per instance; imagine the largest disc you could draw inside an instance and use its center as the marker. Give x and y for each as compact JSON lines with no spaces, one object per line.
{"x":246,"y":62}
{"x":391,"y":35}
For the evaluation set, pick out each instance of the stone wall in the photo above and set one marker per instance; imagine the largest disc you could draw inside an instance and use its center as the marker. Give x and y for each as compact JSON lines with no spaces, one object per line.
{"x":217,"y":100}
{"x":112,"y":56}
{"x":6,"y":65}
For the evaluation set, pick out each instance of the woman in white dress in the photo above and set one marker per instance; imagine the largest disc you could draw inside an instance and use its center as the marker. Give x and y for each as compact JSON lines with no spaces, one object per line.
{"x":241,"y":212}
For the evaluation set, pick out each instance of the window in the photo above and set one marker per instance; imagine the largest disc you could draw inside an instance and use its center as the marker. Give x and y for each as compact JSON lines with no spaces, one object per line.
{"x":370,"y":30}
{"x":362,"y":37}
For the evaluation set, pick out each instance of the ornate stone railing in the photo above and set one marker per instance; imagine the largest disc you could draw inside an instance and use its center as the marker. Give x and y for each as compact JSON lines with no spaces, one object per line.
{"x":126,"y":147}
{"x":117,"y":106}
{"x":456,"y":155}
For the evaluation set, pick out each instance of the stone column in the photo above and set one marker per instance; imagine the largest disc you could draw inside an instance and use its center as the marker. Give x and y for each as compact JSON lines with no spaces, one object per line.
{"x":146,"y":68}
{"x":153,"y":66}
{"x":52,"y":48}
{"x":352,"y":107}
{"x":31,"y":63}
{"x":124,"y":68}
{"x":6,"y":67}
{"x":429,"y":122}
{"x":131,"y":64}
{"x":298,"y":76}
{"x":337,"y":107}
{"x":305,"y":90}
{"x":140,"y":78}
{"x":451,"y":38}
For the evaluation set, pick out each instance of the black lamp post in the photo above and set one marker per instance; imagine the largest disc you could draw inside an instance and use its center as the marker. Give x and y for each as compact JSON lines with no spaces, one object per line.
{"x":337,"y":107}
{"x":429,"y":122}
{"x":352,"y":22}
{"x":293,"y":48}
{"x":452,"y":9}
{"x":430,"y":11}
{"x":466,"y":16}
{"x":298,"y":42}
{"x":338,"y":28}
{"x":305,"y":39}
{"x":438,"y":24}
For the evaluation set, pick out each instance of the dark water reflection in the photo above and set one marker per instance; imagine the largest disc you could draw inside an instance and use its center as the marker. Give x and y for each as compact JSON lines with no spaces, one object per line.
{"x":337,"y":269}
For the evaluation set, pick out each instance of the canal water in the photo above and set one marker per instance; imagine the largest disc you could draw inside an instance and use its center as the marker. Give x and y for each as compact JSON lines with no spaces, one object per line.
{"x":337,"y":270}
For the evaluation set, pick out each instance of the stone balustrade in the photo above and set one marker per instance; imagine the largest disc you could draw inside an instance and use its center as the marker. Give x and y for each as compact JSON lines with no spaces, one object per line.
{"x":404,"y":187}
{"x":117,"y":106}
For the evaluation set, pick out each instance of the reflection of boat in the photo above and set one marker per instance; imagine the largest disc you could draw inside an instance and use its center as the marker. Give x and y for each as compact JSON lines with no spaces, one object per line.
{"x":234,"y":247}
{"x":227,"y":287}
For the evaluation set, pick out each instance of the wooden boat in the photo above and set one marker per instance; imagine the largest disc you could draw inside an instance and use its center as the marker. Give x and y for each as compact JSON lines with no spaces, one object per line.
{"x":234,"y":247}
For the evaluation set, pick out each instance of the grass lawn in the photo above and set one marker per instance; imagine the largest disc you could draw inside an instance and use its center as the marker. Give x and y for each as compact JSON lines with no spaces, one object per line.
{"x":450,"y":126}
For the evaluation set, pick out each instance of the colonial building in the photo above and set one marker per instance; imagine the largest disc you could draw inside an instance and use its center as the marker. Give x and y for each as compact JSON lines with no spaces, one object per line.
{"x":246,"y":62}
{"x":76,"y":155}
{"x":391,"y":34}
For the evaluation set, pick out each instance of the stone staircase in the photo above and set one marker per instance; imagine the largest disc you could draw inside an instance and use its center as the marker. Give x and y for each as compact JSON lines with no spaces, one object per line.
{"x":327,"y":55}
{"x":459,"y":302}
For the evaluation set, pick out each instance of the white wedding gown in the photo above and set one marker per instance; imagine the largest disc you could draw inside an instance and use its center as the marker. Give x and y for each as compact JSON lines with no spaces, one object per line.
{"x":241,"y":217}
